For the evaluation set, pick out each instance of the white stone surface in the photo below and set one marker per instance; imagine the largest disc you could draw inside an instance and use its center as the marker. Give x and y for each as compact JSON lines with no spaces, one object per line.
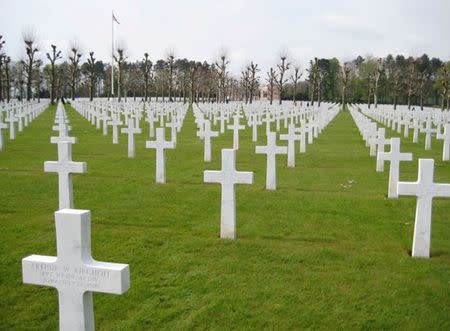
{"x":131,"y":131}
{"x":74,"y":273}
{"x":2,"y":126}
{"x":228,"y":177}
{"x":302,"y":131}
{"x":271,"y":150}
{"x":394,"y":156}
{"x":445,"y":136}
{"x":11,"y":118}
{"x":65,"y":167}
{"x":236,"y":127}
{"x":428,"y":130}
{"x":115,"y":122}
{"x":425,"y":190}
{"x":206,"y":134}
{"x":291,"y":137}
{"x":160,"y":144}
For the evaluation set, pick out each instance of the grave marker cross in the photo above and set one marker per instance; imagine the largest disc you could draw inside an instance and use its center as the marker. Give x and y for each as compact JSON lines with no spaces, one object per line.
{"x":425,"y":190}
{"x":73,"y":272}
{"x":228,"y":177}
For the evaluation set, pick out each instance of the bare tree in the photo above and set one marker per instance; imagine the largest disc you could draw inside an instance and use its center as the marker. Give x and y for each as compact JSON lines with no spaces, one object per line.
{"x":245,"y":83}
{"x":345,"y":76}
{"x":38,"y":79}
{"x":147,"y":73}
{"x":194,"y":70}
{"x":2,"y":62}
{"x":74,"y":60}
{"x":31,"y":49}
{"x":55,"y":55}
{"x":253,"y":79}
{"x":378,"y":72}
{"x":221,"y":65}
{"x":7,"y":61}
{"x":422,"y":79}
{"x":321,"y":75}
{"x":92,"y":74}
{"x":410,"y":79}
{"x":283,"y":67}
{"x":271,"y":81}
{"x":170,"y":67}
{"x":396,"y":84}
{"x":120,"y":60}
{"x":295,"y":78}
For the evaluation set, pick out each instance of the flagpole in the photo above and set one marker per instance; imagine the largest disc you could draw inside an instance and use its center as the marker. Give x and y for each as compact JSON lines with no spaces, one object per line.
{"x":112,"y":55}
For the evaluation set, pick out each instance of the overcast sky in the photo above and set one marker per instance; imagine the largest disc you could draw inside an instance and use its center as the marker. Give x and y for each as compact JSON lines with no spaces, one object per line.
{"x":247,"y":29}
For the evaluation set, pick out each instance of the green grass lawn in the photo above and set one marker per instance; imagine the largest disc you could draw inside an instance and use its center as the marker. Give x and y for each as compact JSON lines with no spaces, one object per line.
{"x":327,"y":250}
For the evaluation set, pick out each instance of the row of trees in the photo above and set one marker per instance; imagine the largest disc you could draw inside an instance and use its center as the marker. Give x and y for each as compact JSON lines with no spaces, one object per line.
{"x":393,"y":79}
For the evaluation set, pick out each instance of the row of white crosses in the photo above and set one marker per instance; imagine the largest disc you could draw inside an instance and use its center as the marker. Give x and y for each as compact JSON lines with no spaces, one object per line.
{"x":424,"y":188}
{"x":376,"y":140}
{"x":228,"y":176}
{"x":311,"y":123}
{"x":429,"y":121}
{"x":22,"y":113}
{"x":73,"y":272}
{"x":167,"y":115}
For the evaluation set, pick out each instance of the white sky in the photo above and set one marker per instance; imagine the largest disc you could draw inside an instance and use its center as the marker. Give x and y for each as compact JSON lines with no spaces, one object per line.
{"x":248,"y":29}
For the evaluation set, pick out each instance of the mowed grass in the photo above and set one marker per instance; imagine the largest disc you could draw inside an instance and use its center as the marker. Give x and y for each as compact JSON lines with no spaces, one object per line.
{"x":327,"y":250}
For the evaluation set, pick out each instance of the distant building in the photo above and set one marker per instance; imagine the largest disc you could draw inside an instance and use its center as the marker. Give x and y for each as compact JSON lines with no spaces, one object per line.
{"x":265,"y":95}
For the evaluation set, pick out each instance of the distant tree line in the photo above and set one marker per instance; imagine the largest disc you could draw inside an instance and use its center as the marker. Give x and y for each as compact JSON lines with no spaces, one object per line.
{"x":394,"y":79}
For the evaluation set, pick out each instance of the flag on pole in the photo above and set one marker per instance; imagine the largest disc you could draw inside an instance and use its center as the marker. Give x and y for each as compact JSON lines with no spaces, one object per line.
{"x":115,"y":19}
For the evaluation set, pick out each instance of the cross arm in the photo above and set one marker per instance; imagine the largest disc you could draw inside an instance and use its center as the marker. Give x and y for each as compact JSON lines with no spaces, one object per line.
{"x":407,"y":188}
{"x":244,"y":177}
{"x":213,"y":176}
{"x":107,"y":277}
{"x":442,"y":190}
{"x":55,"y":140}
{"x":39,"y":270}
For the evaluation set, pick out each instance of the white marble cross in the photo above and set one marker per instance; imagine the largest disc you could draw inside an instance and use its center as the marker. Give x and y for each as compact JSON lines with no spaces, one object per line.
{"x":173,"y":130}
{"x":428,"y":130}
{"x":115,"y":122}
{"x":228,"y":177}
{"x":62,"y":128}
{"x":151,"y":119}
{"x":394,"y":157}
{"x":131,"y":131}
{"x":425,"y":190}
{"x":74,"y":273}
{"x":253,"y":122}
{"x":445,"y":136}
{"x":377,"y":143}
{"x":12,"y":128}
{"x":206,"y":134}
{"x":65,"y":167}
{"x":105,"y":118}
{"x":222,"y":118}
{"x":271,"y":150}
{"x":406,"y":122}
{"x":236,"y":127}
{"x":291,"y":137}
{"x":302,"y":130}
{"x":2,"y":126}
{"x":416,"y":126}
{"x":160,"y":144}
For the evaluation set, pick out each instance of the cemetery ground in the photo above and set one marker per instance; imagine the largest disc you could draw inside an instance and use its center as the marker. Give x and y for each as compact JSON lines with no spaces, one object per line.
{"x":326,"y":250}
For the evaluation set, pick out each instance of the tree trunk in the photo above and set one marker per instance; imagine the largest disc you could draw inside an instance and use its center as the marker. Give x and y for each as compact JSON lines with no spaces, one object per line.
{"x":8,"y":86}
